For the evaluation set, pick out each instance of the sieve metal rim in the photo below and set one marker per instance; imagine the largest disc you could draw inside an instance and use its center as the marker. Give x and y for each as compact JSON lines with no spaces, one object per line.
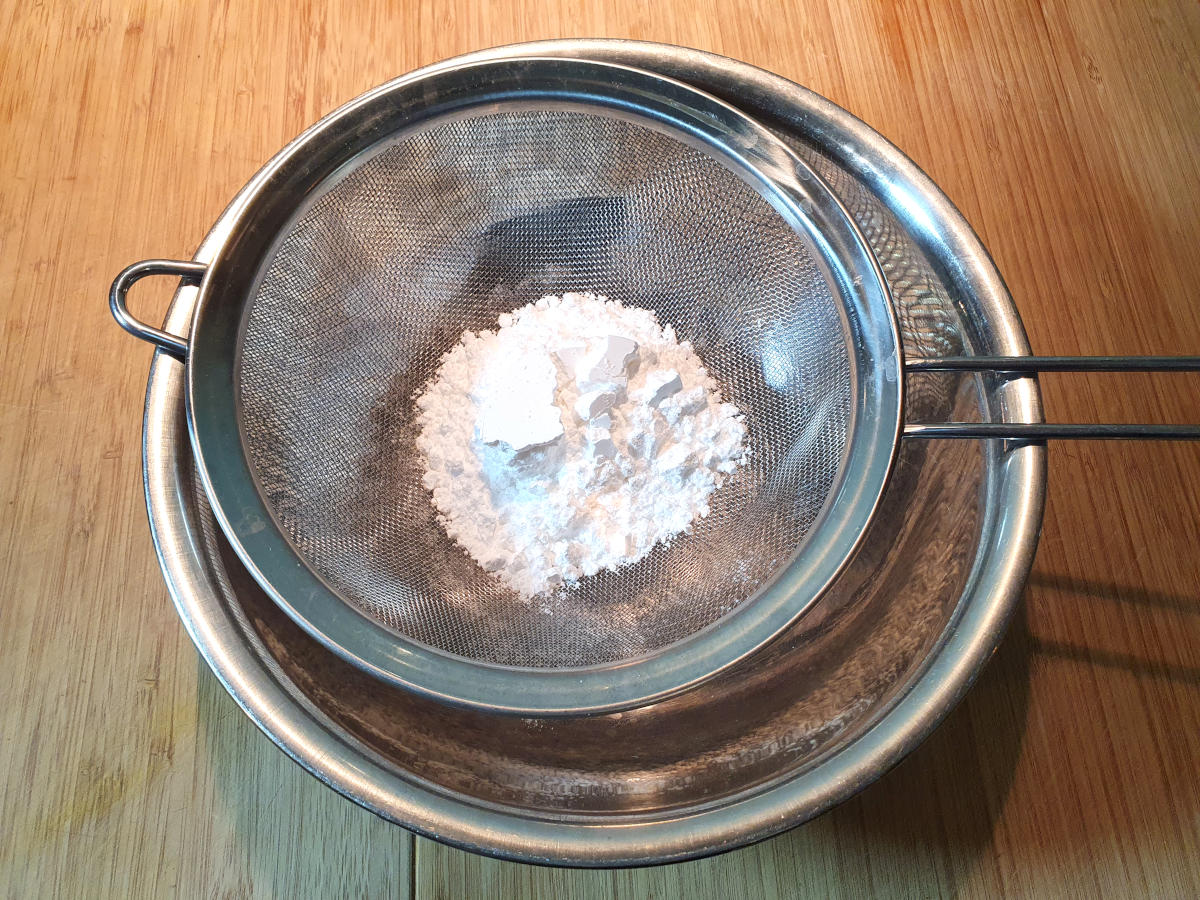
{"x":247,"y":521}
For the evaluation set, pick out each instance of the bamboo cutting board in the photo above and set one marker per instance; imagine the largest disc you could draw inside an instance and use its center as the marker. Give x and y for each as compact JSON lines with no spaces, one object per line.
{"x":1067,"y":132}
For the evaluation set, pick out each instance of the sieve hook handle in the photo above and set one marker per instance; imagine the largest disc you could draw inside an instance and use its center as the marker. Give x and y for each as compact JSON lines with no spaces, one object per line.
{"x":189,"y":272}
{"x":1029,"y":365}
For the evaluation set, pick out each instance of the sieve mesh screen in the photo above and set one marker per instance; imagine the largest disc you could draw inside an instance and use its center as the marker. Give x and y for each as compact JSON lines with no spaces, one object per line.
{"x":443,"y":230}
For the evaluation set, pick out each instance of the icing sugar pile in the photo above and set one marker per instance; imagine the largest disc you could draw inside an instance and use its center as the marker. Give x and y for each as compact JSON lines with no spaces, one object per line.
{"x":572,"y":439}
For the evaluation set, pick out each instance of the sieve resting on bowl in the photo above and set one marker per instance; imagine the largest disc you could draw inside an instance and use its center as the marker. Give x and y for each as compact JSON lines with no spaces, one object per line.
{"x":433,"y":204}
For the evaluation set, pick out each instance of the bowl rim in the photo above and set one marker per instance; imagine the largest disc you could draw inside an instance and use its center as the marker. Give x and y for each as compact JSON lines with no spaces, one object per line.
{"x":1014,"y":497}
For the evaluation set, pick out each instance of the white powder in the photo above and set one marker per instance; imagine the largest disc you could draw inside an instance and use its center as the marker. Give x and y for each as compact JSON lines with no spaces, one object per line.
{"x":572,"y":440}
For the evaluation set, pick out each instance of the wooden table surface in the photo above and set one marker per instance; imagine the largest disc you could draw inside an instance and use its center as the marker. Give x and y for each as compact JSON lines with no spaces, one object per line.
{"x":1067,"y":133}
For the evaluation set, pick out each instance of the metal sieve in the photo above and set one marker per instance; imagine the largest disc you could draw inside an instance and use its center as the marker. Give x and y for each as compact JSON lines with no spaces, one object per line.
{"x":430,"y":206}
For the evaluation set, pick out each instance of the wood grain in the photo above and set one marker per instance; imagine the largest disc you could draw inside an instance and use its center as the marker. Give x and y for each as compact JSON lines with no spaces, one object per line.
{"x":1067,"y":134}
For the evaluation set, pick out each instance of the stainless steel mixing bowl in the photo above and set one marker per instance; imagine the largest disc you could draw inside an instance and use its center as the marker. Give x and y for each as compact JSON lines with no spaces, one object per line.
{"x":782,"y":736}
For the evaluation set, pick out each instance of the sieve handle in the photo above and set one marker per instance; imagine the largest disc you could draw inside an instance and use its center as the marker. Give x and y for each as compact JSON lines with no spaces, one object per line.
{"x":189,"y":272}
{"x":1028,"y":365}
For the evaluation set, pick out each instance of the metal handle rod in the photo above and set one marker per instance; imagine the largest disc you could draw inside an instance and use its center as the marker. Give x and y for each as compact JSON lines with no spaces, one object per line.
{"x":1043,"y":432}
{"x":1028,"y":364}
{"x":1025,"y":365}
{"x":191,"y":272}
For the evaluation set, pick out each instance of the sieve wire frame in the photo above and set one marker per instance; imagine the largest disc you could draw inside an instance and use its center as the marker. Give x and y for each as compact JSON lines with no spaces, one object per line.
{"x":299,"y":173}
